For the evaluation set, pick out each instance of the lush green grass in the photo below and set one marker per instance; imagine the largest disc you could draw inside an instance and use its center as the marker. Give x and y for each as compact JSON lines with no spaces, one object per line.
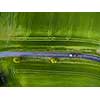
{"x":63,"y":32}
{"x":43,"y":73}
{"x":82,"y":25}
{"x":58,"y":75}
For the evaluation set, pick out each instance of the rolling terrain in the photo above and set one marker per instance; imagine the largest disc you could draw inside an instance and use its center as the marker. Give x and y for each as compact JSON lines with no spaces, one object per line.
{"x":70,"y":33}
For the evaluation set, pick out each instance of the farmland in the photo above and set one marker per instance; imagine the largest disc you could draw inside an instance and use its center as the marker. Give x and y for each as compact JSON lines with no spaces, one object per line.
{"x":69,"y":32}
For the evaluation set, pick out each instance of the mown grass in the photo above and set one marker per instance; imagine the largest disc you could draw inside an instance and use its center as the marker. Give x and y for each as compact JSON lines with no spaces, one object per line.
{"x":82,"y":25}
{"x":58,"y":75}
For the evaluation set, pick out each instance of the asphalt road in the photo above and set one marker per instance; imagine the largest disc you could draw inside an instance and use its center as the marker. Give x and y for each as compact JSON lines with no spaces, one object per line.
{"x":50,"y":54}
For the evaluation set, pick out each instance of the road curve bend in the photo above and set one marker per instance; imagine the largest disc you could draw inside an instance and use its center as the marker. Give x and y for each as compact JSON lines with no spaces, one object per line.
{"x":50,"y":54}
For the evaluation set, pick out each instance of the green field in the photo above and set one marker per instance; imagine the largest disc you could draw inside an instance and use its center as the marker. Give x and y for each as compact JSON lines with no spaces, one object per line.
{"x":77,"y":32}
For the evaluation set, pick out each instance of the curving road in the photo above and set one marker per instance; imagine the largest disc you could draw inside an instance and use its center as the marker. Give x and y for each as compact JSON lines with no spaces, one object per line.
{"x":50,"y":54}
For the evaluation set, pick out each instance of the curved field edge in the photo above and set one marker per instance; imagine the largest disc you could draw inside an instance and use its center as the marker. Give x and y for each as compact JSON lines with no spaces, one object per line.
{"x":35,"y":73}
{"x":58,"y":75}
